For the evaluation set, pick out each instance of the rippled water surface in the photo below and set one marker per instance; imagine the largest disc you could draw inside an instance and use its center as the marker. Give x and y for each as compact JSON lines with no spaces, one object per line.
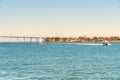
{"x":59,"y":61}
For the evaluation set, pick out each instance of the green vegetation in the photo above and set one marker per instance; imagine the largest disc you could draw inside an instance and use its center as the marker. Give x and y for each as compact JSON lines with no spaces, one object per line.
{"x":82,"y":39}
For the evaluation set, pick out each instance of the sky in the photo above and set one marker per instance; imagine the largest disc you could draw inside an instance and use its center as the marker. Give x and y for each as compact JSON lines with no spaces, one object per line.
{"x":62,"y":18}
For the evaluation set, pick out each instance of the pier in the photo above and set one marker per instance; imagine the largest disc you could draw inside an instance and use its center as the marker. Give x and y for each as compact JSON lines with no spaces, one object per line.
{"x":23,"y":38}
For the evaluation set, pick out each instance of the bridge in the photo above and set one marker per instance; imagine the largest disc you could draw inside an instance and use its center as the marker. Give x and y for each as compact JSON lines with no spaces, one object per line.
{"x":24,"y":38}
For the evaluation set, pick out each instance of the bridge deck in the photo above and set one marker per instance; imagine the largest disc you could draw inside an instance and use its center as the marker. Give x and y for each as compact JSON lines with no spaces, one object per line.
{"x":25,"y":37}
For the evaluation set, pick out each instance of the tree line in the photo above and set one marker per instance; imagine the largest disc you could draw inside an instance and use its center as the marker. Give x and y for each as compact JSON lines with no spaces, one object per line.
{"x":81,"y":39}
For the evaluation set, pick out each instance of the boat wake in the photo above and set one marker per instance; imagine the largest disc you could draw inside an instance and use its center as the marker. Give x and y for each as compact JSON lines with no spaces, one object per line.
{"x":91,"y":44}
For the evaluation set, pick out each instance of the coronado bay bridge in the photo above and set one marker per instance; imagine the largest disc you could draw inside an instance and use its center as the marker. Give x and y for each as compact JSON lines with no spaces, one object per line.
{"x":23,"y":38}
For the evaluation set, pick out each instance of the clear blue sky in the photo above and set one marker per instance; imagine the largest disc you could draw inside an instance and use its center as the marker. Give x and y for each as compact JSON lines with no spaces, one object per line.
{"x":60,"y":17}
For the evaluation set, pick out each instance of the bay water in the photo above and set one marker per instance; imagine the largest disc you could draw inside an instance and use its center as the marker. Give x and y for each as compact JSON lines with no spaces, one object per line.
{"x":59,"y":61}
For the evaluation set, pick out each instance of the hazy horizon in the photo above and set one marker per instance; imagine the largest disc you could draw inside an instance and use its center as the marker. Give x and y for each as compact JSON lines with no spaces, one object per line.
{"x":63,"y":18}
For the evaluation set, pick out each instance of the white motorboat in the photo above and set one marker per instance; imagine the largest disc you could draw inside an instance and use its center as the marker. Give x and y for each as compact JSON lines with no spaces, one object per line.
{"x":105,"y":43}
